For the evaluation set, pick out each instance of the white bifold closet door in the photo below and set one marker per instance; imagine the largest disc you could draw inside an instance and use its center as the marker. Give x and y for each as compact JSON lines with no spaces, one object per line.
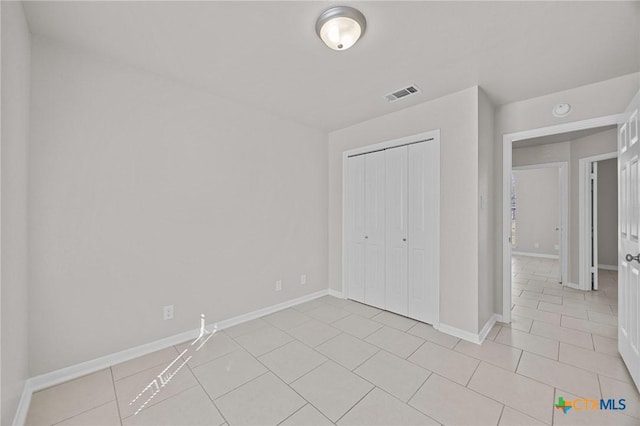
{"x":374,"y":229}
{"x":354,"y":230}
{"x":423,"y":223}
{"x":396,"y":241}
{"x":392,"y":207}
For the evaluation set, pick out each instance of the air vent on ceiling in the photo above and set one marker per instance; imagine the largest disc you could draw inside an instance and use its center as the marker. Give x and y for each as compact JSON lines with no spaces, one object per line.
{"x":402,"y":93}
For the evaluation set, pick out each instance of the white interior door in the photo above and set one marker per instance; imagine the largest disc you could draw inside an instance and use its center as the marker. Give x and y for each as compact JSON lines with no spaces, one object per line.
{"x":374,"y":234}
{"x":355,"y":226}
{"x":396,"y":238}
{"x":629,"y":243}
{"x":423,"y":200}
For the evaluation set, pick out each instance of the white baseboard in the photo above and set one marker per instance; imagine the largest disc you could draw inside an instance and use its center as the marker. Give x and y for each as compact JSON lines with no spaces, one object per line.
{"x":573,"y":286}
{"x":608,"y":267}
{"x":338,"y":294}
{"x":62,"y":375}
{"x":488,"y":326}
{"x":542,"y":255}
{"x":23,"y":406}
{"x":459,"y":333}
{"x":467,"y":335}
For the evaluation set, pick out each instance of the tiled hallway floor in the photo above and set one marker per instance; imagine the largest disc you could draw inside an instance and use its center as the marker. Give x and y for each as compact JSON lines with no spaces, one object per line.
{"x":336,"y":361}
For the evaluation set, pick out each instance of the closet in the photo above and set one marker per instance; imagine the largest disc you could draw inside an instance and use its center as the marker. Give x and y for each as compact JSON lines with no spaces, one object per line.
{"x":391,"y":220}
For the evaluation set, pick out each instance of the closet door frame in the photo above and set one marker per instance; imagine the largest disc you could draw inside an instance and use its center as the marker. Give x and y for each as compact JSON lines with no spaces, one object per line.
{"x":434,"y":136}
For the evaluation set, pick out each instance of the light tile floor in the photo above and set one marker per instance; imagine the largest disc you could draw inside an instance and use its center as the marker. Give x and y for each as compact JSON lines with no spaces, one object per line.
{"x":333,"y":361}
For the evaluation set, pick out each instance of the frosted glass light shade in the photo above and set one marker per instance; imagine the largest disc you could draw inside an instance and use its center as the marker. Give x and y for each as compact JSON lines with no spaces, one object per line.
{"x":340,"y":27}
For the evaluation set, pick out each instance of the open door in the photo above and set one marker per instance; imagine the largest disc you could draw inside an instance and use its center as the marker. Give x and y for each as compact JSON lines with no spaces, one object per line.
{"x":628,"y":242}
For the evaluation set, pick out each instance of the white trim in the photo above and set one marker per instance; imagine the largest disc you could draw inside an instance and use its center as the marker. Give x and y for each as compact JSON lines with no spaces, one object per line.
{"x":594,"y":224}
{"x":23,"y":405}
{"x":542,"y":255}
{"x":269,"y":310}
{"x":507,"y":141}
{"x":573,"y":286}
{"x":585,"y":219}
{"x":432,"y":134}
{"x":564,"y":222}
{"x":467,"y":335}
{"x":557,"y":164}
{"x":608,"y":267}
{"x":62,"y":375}
{"x":488,"y":326}
{"x":338,"y":294}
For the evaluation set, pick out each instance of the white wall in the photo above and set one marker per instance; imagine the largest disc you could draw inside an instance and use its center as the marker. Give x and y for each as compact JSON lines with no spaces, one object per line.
{"x":608,"y":212}
{"x":146,"y":192}
{"x":537,"y":210}
{"x":540,"y":154}
{"x":15,"y":134}
{"x":486,"y":225}
{"x":456,"y":116}
{"x":591,"y":101}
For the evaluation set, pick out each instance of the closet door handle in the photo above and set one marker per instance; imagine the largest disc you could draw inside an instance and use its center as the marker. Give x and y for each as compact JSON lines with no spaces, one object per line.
{"x":366,"y":236}
{"x":404,"y":239}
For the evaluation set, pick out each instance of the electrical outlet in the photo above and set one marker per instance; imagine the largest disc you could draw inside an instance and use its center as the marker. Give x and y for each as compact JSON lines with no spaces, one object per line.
{"x":168,"y":312}
{"x":556,"y":246}
{"x":278,"y":285}
{"x":303,"y":279}
{"x":536,"y":245}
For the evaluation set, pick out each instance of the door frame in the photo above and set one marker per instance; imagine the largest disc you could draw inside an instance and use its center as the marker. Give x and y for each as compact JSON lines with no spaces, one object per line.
{"x":563,"y":190}
{"x":420,"y":137}
{"x":585,"y":219}
{"x":507,"y":142}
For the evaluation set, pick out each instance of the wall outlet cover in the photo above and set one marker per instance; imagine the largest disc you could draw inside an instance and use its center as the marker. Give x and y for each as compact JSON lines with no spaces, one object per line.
{"x":167,"y":312}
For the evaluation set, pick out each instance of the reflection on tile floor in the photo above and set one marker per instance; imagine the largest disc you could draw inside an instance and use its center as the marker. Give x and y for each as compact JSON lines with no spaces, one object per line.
{"x":333,"y":361}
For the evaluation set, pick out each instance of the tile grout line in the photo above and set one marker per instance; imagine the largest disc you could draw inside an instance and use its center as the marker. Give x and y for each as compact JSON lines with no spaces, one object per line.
{"x":473,"y":374}
{"x":522,"y":351}
{"x":113,"y":384}
{"x":367,"y":359}
{"x":501,"y":413}
{"x":207,"y":393}
{"x":83,"y":412}
{"x":471,"y":390}
{"x":288,"y":385}
{"x":416,"y":350}
{"x":356,"y":403}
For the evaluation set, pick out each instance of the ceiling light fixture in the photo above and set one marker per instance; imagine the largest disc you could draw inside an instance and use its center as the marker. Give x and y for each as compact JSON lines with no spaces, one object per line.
{"x":340,"y":27}
{"x":561,"y":110}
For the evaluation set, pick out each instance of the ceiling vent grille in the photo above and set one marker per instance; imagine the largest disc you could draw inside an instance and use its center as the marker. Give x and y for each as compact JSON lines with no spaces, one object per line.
{"x":402,"y":93}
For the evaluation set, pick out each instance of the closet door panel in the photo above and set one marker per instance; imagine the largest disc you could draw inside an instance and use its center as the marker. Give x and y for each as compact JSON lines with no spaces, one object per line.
{"x":423,"y":206}
{"x":355,"y":227}
{"x":374,"y":229}
{"x":396,"y":230}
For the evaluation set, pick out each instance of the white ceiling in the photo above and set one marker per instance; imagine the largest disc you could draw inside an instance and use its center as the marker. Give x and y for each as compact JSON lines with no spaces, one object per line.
{"x":267,"y":53}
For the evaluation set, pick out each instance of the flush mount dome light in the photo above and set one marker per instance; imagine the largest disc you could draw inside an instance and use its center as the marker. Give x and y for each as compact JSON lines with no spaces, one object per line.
{"x":340,"y":27}
{"x":561,"y":110}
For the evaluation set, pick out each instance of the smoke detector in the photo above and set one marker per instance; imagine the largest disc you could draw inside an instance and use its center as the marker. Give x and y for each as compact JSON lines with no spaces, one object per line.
{"x":561,"y":110}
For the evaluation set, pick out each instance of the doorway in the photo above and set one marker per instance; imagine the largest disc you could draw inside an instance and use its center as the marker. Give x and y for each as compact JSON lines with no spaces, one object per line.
{"x":539,"y":215}
{"x":508,"y":141}
{"x":598,"y":219}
